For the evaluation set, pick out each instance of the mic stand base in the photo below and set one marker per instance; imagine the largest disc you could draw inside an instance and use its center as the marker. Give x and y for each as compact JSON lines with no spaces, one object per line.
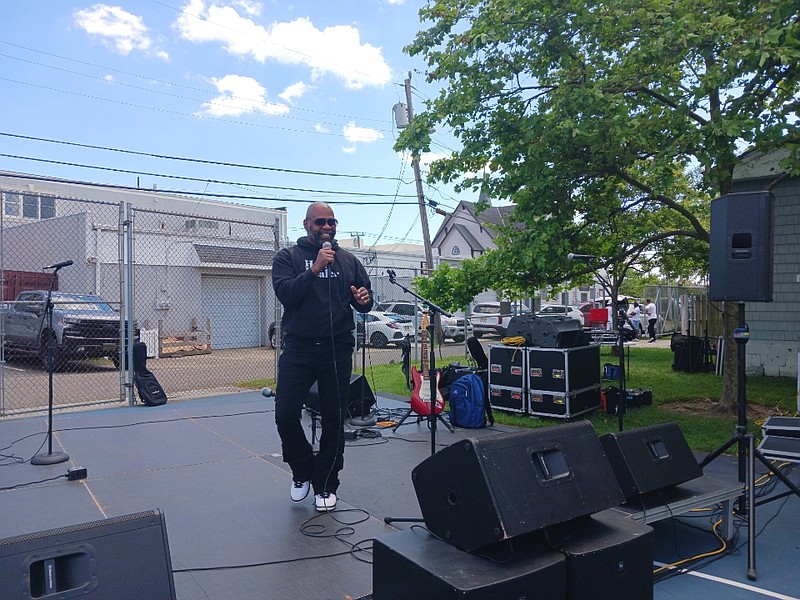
{"x":50,"y":459}
{"x":366,"y":421}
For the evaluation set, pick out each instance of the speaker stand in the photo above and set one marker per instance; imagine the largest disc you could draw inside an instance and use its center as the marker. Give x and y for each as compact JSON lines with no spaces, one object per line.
{"x":747,"y":452}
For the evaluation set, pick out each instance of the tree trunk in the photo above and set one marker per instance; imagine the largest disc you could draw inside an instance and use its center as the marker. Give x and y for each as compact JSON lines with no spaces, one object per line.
{"x":730,"y":363}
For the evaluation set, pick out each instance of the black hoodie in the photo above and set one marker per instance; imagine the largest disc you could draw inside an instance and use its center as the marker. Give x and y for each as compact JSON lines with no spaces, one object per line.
{"x":318,"y":306}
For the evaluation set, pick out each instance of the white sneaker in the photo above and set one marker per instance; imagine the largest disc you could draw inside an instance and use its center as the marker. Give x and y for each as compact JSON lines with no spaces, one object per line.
{"x":325,"y":501}
{"x":300,"y":490}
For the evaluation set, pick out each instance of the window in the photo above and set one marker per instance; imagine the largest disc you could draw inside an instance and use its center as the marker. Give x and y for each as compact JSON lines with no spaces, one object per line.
{"x":30,"y":206}
{"x":48,"y":207}
{"x":11,"y":204}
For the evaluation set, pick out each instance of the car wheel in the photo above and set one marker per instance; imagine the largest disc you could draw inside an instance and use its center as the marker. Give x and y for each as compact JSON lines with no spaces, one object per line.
{"x":273,"y":342}
{"x":378,"y":340}
{"x":58,"y":358}
{"x":477,"y":334}
{"x":458,"y":338}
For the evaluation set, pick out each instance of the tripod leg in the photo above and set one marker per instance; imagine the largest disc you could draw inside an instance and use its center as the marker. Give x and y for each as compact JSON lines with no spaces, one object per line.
{"x":751,"y":510}
{"x":787,"y":482}
{"x":405,"y":416}
{"x":446,"y":424}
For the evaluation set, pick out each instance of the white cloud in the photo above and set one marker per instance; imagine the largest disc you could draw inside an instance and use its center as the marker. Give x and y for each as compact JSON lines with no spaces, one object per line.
{"x":118,"y":29}
{"x":241,"y":95}
{"x":296,"y":90}
{"x":349,"y":149}
{"x":335,"y":50}
{"x":320,"y":128}
{"x":396,"y":1}
{"x":250,"y":7}
{"x":353,"y":133}
{"x":425,"y":159}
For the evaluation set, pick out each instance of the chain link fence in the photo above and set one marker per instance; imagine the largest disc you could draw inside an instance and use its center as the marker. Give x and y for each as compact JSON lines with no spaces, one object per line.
{"x":200,"y":297}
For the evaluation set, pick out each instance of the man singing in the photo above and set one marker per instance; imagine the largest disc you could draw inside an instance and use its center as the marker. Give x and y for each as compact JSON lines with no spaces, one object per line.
{"x":317,"y":282}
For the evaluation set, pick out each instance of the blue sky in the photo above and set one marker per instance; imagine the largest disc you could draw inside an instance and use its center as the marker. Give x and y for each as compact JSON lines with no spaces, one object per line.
{"x":303,"y":86}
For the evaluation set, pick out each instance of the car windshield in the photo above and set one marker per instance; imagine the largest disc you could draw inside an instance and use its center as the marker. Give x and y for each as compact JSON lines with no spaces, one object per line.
{"x":82,"y":302}
{"x":555,"y":309}
{"x":396,"y":317}
{"x":487,"y":309}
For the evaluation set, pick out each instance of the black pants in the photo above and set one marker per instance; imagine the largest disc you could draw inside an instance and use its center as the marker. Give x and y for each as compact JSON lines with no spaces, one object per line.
{"x":651,"y":328}
{"x":300,"y":365}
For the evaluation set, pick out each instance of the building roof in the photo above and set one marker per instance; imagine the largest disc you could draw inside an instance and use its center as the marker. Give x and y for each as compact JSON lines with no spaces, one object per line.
{"x":231,"y":255}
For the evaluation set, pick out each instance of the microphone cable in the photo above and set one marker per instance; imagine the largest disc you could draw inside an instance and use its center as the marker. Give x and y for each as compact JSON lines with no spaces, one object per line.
{"x":340,"y":425}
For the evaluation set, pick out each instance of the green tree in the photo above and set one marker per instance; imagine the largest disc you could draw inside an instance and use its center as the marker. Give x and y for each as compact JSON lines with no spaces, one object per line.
{"x":609,"y":125}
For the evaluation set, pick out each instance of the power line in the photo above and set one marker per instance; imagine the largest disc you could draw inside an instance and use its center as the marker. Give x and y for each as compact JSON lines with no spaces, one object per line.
{"x":192,"y":193}
{"x":180,"y":97}
{"x":196,"y":160}
{"x":156,"y":80}
{"x":202,"y":180}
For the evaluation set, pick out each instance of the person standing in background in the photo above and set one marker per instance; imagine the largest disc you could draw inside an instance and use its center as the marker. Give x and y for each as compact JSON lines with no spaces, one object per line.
{"x":318,"y":284}
{"x":635,"y":314}
{"x":652,"y":318}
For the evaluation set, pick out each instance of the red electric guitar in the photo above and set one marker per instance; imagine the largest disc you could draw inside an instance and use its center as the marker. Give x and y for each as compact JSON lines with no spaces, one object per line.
{"x":421,"y":394}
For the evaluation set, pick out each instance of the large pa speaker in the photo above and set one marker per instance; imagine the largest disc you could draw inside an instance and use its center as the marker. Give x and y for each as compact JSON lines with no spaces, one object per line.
{"x":609,"y":556}
{"x":414,"y":564}
{"x":477,"y":492}
{"x":355,"y":408}
{"x":125,"y":558}
{"x":740,"y":259}
{"x":650,"y":458}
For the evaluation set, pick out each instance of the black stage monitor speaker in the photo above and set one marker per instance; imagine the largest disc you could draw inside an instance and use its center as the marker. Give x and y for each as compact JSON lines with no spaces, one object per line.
{"x":477,"y":492}
{"x":354,"y":404}
{"x":740,"y":260}
{"x":650,"y":458}
{"x":547,"y":332}
{"x":414,"y":565}
{"x":124,"y":558}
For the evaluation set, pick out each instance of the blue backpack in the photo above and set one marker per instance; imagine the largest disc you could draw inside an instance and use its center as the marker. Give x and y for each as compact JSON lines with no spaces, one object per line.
{"x":468,"y":405}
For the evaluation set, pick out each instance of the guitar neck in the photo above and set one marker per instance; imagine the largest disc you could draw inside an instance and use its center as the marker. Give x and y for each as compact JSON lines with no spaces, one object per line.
{"x":423,"y":345}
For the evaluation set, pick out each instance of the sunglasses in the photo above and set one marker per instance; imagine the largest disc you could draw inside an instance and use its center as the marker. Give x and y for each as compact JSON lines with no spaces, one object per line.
{"x":321,"y":222}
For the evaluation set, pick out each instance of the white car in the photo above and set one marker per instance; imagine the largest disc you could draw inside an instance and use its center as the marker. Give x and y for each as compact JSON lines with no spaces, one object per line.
{"x":559,"y":310}
{"x":383,"y":328}
{"x":456,"y":328}
{"x":487,"y":318}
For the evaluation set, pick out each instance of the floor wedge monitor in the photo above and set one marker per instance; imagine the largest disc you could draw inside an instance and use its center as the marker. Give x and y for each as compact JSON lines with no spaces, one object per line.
{"x":650,"y":458}
{"x":478,"y":492}
{"x":124,"y":558}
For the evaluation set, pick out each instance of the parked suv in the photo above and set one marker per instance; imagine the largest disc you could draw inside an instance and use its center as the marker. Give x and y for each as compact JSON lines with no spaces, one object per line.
{"x":84,"y":326}
{"x":455,"y":328}
{"x":559,"y":310}
{"x":487,"y":318}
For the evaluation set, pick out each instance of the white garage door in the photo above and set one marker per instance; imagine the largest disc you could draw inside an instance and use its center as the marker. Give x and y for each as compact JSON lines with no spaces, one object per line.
{"x":232,"y":304}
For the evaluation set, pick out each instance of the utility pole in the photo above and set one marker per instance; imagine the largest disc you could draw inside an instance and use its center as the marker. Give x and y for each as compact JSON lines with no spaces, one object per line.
{"x":423,"y":215}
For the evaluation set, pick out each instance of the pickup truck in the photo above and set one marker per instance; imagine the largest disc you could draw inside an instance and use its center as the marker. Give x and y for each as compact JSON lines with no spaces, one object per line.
{"x":84,"y":326}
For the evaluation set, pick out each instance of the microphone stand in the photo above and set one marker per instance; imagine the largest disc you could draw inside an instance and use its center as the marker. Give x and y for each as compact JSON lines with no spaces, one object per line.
{"x":434,"y":309}
{"x":51,"y":458}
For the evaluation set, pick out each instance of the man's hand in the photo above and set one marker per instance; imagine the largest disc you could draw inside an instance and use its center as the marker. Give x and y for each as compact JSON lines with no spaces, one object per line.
{"x":361,"y":294}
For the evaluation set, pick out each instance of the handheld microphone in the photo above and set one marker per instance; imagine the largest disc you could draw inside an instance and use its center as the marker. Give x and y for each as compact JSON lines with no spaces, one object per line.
{"x":327,"y":246}
{"x":573,"y":256}
{"x":65,"y":263}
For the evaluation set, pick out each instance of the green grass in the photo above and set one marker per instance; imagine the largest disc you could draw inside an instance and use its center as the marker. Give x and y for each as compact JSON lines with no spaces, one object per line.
{"x":650,"y":368}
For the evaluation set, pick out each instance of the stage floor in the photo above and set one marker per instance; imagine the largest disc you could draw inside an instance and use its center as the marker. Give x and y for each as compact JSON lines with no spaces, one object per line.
{"x":213,"y":466}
